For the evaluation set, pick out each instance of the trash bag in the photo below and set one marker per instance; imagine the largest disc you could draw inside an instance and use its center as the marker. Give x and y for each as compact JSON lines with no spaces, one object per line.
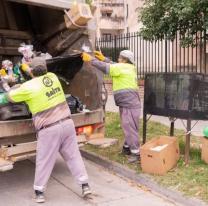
{"x":205,"y":131}
{"x":74,"y":103}
{"x":65,"y":66}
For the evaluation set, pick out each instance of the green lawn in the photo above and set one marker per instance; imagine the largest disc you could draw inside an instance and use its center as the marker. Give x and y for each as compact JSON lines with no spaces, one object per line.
{"x":191,"y":179}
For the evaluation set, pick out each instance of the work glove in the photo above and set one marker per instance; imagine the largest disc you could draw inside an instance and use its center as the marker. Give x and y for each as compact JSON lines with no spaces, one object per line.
{"x":86,"y":57}
{"x":99,"y":55}
{"x":24,"y":67}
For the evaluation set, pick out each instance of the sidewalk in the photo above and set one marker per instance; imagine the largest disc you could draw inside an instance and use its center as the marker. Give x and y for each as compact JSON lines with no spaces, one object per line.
{"x":197,"y":130}
{"x":107,"y":189}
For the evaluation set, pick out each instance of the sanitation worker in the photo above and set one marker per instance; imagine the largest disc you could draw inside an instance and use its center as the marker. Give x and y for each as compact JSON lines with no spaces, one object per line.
{"x":125,"y":90}
{"x":55,"y":129}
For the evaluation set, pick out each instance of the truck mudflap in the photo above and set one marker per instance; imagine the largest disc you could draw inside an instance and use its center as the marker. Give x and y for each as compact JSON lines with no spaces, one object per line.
{"x":24,"y":127}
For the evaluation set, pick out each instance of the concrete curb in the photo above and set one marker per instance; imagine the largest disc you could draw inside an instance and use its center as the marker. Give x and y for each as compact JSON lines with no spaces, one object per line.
{"x":126,"y":173}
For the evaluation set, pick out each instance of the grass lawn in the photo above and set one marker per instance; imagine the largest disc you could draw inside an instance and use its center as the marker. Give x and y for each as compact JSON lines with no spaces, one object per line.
{"x":192,"y":179}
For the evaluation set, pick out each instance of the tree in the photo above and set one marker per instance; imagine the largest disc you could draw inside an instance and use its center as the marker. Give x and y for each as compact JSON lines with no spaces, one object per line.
{"x":164,"y":18}
{"x":90,"y":3}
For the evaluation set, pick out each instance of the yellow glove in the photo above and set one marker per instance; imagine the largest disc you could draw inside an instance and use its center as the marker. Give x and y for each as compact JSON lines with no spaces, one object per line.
{"x":99,"y":55}
{"x":3,"y":72}
{"x":74,"y":4}
{"x":86,"y":57}
{"x":24,"y":67}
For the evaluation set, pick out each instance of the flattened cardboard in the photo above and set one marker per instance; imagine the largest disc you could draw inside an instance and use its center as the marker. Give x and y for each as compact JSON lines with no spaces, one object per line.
{"x":160,"y":162}
{"x":103,"y":142}
{"x":80,"y":14}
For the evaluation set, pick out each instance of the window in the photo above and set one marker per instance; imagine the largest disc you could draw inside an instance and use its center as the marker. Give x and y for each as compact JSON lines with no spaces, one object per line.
{"x":107,"y":37}
{"x":109,"y":14}
{"x":104,"y":15}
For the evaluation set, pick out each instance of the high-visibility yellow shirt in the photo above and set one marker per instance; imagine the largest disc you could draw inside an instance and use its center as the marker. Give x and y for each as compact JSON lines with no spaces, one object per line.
{"x":124,"y":76}
{"x":40,"y":93}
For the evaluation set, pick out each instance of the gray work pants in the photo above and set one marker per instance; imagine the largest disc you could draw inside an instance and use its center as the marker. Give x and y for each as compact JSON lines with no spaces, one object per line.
{"x":130,"y":127}
{"x":58,"y":138}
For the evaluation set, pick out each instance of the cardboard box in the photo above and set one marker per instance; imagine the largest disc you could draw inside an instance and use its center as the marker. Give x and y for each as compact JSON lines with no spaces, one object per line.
{"x":160,"y":162}
{"x":80,"y":14}
{"x":204,"y":155}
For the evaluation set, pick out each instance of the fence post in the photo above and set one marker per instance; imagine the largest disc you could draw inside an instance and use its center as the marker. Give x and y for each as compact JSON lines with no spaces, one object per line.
{"x":166,"y":56}
{"x":115,"y":48}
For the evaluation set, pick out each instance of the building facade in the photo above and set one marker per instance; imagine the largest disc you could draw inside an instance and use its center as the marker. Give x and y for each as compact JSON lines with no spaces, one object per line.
{"x":114,"y":17}
{"x":110,"y":17}
{"x":131,"y":16}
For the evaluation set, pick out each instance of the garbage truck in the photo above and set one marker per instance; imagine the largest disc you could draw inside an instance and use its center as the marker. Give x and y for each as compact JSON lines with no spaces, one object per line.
{"x":42,"y":24}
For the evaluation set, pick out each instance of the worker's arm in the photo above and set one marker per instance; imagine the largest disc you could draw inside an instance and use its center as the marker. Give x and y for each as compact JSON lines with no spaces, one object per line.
{"x":102,"y":66}
{"x":106,"y":60}
{"x":18,"y":94}
{"x":101,"y":57}
{"x":106,"y":68}
{"x":15,"y":87}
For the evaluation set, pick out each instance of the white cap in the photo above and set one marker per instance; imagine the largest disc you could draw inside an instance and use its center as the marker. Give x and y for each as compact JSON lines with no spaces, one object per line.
{"x":128,"y":54}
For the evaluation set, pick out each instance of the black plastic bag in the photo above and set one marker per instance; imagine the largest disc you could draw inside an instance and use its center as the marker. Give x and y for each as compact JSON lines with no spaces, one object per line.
{"x":65,"y":66}
{"x":74,"y":103}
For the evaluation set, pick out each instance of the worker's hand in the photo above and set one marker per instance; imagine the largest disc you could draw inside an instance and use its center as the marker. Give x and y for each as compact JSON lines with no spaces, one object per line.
{"x":86,"y":57}
{"x":24,"y":67}
{"x":99,"y":55}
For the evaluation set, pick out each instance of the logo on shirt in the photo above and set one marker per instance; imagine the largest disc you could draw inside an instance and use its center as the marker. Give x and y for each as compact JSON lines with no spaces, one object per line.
{"x":47,"y":82}
{"x":53,"y":92}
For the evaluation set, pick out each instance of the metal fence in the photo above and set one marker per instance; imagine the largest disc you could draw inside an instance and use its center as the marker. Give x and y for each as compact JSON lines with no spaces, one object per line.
{"x":159,"y":56}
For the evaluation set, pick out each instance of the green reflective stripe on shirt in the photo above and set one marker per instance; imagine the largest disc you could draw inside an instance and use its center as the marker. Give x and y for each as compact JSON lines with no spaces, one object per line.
{"x":124,"y":76}
{"x":40,"y":93}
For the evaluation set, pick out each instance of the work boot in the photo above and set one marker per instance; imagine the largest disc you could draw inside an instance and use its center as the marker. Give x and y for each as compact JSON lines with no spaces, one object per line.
{"x":38,"y":197}
{"x":86,"y":190}
{"x":133,"y":158}
{"x":125,"y":151}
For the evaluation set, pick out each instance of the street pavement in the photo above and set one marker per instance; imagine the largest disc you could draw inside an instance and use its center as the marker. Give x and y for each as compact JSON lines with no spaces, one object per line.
{"x":108,"y":190}
{"x":197,"y":129}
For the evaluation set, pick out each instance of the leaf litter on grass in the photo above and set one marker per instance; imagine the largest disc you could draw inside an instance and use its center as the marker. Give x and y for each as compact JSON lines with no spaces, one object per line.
{"x":193,"y":179}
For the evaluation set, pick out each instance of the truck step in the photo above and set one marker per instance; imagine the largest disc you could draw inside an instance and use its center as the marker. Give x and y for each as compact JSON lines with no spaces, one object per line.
{"x":23,"y":156}
{"x":5,"y":165}
{"x":18,"y":149}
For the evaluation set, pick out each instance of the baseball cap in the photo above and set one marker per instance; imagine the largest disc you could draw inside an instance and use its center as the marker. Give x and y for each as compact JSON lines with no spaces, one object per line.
{"x":129,"y":55}
{"x":37,"y":61}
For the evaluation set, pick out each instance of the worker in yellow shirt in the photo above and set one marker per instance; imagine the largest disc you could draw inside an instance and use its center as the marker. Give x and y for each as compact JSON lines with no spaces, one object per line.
{"x":126,"y":95}
{"x":55,"y":129}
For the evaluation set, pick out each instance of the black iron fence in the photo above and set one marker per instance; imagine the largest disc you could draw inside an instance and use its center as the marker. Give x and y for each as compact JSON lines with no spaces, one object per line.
{"x":158,"y":56}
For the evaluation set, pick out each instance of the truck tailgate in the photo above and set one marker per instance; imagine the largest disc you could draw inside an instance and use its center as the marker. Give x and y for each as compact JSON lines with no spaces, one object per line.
{"x":24,"y":127}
